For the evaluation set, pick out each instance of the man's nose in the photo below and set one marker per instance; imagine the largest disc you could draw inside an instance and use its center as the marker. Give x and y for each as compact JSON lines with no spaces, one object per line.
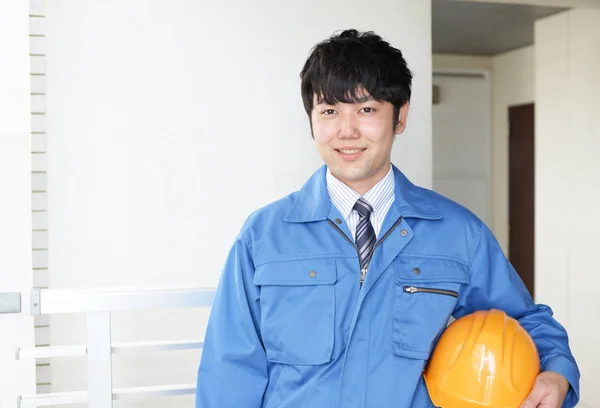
{"x":348,"y":128}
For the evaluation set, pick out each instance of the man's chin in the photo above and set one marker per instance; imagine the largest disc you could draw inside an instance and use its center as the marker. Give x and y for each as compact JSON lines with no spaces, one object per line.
{"x":349,"y":175}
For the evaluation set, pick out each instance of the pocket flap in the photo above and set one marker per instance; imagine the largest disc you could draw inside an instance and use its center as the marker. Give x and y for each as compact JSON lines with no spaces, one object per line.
{"x":409,"y":269}
{"x":413,"y":354}
{"x":297,"y":273}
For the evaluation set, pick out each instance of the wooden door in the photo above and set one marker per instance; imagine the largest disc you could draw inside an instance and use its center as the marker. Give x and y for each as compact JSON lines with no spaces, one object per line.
{"x":522,"y":192}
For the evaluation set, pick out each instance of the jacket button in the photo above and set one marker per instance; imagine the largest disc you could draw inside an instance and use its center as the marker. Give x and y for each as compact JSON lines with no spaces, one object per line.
{"x":404,"y":232}
{"x":416,"y":271}
{"x":338,"y":221}
{"x":312,"y":274}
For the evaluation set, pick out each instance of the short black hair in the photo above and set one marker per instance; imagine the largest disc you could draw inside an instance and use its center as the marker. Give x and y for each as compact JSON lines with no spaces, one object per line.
{"x":342,"y":64}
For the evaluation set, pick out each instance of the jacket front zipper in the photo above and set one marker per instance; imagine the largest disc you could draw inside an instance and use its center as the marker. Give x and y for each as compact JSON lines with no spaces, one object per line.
{"x":413,"y":289}
{"x":363,"y":271}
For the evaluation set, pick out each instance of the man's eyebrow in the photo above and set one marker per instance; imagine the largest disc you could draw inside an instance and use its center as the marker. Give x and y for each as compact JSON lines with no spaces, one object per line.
{"x":365,"y":98}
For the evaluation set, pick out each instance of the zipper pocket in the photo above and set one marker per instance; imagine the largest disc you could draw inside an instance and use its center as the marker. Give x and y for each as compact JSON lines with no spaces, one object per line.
{"x":414,"y":289}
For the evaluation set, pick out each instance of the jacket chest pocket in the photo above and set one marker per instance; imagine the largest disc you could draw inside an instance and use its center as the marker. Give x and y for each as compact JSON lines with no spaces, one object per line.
{"x":425,"y":295}
{"x":297,"y":305}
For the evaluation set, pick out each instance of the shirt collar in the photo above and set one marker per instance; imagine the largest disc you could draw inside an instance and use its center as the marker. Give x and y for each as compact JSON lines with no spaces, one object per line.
{"x":344,"y":197}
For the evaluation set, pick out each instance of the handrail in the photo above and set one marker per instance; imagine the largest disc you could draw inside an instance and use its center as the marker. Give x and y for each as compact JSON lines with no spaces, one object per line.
{"x":57,"y":301}
{"x":81,"y":397}
{"x":117,"y":348}
{"x":98,"y":304}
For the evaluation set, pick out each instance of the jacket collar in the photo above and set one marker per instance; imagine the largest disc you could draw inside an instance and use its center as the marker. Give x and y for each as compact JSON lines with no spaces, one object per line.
{"x":313,"y":203}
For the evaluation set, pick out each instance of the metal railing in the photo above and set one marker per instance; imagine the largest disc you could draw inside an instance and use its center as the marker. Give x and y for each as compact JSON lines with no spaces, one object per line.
{"x":98,"y":306}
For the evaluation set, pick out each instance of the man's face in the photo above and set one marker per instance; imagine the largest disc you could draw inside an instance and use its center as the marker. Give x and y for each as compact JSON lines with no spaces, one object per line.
{"x":355,"y":139}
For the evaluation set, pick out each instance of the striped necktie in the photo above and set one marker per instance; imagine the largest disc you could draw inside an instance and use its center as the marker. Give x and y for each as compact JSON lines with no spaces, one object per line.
{"x":365,"y":235}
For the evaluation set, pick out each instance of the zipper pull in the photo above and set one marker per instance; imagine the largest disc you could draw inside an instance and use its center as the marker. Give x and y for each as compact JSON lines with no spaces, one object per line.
{"x":410,"y":289}
{"x":363,"y":272}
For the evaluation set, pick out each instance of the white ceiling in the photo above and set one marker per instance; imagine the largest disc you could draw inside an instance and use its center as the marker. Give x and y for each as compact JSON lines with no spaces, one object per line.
{"x":484,"y":28}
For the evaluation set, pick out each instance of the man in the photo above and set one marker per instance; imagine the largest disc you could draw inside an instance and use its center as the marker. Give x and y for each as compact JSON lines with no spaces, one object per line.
{"x":312,"y":308}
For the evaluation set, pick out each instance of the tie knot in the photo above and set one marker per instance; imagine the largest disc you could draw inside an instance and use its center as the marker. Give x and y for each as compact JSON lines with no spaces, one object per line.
{"x":363,"y":208}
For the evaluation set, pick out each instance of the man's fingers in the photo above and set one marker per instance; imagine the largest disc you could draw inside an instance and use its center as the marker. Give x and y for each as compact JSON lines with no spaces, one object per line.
{"x":536,"y":396}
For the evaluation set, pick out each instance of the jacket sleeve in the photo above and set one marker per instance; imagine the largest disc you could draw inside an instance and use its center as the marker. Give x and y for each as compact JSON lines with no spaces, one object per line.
{"x":233,"y":367}
{"x":496,"y":284}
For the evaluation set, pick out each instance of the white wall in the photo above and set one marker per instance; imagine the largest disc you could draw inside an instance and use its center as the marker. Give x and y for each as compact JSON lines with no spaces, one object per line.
{"x":168,"y":123}
{"x":513,"y":79}
{"x":567,"y":59}
{"x":16,"y":330}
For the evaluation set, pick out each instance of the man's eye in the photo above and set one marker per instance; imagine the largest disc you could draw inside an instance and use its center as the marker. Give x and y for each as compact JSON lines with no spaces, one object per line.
{"x":368,"y":110}
{"x":328,"y":112}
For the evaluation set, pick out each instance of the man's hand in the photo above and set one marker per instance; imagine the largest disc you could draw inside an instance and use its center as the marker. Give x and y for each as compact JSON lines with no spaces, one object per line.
{"x":549,"y":391}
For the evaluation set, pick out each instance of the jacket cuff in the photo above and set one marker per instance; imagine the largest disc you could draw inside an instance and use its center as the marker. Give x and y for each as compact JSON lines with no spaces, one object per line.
{"x":568,"y":369}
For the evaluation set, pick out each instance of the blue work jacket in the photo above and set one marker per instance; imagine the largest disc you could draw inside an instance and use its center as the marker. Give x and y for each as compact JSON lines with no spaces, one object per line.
{"x":292,"y":326}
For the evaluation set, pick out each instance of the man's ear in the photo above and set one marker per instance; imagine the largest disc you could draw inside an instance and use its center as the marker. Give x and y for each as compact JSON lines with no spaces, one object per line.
{"x":402,"y":116}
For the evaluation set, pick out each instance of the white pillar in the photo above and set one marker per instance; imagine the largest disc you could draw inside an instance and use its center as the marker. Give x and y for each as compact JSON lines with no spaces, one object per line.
{"x":16,"y":377}
{"x":568,"y":182}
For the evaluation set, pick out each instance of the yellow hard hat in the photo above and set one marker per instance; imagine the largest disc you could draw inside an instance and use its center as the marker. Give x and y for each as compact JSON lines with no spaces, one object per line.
{"x":484,"y":359}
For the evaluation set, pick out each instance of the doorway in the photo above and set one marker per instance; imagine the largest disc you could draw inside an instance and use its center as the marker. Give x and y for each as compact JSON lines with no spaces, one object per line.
{"x":462,"y":124}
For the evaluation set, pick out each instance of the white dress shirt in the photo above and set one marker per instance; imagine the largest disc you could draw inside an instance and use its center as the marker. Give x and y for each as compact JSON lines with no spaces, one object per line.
{"x":380,"y":196}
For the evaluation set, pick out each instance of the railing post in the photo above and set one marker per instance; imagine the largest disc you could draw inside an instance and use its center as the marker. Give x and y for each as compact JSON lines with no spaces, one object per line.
{"x":99,"y":360}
